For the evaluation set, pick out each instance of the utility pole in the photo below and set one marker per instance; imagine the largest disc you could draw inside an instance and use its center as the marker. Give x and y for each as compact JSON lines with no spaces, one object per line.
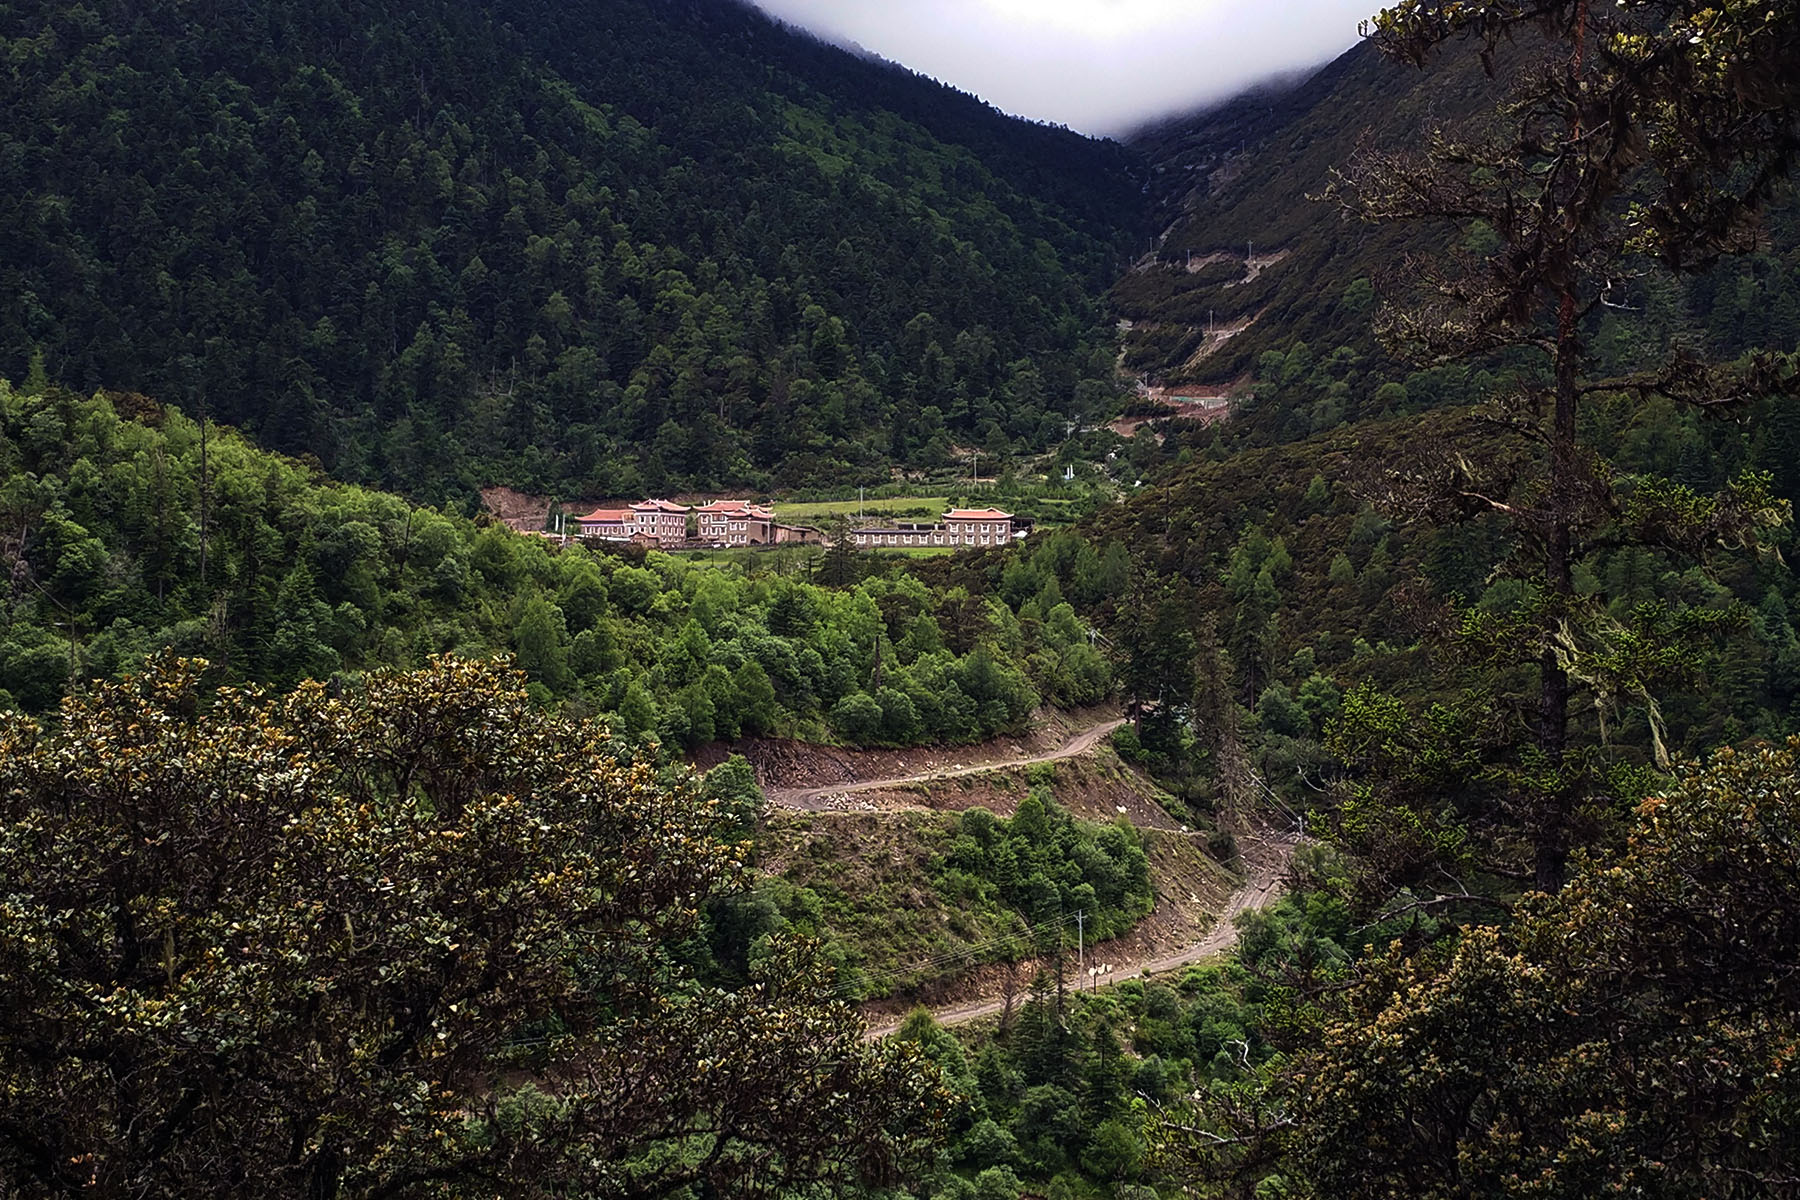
{"x":975,"y":469}
{"x":1061,"y":932}
{"x":1080,"y":940}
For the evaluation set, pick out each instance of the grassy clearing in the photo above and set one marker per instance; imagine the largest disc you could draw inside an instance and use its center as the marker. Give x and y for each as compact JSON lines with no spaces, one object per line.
{"x":925,"y":507}
{"x":911,"y":551}
{"x":865,"y":882}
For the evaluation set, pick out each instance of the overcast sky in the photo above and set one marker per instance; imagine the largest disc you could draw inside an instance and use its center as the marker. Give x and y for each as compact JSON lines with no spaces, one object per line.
{"x":1100,"y":66}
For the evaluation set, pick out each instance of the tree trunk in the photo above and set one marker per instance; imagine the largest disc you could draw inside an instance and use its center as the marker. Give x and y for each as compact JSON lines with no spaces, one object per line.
{"x":1552,"y":840}
{"x":1552,"y":834}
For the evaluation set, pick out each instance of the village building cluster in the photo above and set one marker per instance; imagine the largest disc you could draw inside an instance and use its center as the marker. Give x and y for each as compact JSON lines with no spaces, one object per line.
{"x":665,"y":525}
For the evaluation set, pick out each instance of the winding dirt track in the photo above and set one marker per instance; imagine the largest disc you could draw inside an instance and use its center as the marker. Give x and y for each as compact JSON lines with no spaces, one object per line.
{"x":817,"y":799}
{"x":1266,"y":857}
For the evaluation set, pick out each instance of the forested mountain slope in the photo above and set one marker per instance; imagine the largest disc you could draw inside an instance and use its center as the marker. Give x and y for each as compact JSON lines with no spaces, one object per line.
{"x":1248,"y":178}
{"x":127,"y":534}
{"x":1234,"y":182}
{"x":620,"y":246}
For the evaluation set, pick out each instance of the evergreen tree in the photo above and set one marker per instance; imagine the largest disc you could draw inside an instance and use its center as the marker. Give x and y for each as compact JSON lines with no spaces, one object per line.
{"x":1639,"y":107}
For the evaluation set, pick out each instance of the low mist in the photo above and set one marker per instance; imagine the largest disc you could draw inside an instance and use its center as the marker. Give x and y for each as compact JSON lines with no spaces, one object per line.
{"x":1101,"y":66}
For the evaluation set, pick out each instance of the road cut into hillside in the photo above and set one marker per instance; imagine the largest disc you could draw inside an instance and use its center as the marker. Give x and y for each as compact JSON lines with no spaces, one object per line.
{"x":1197,"y":900}
{"x":1266,"y":856}
{"x":866,"y":771}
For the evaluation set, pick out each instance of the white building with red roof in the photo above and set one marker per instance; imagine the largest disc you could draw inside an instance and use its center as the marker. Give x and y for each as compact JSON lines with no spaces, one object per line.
{"x":735,"y":523}
{"x":960,"y":527}
{"x":978,"y":527}
{"x":663,"y":520}
{"x":655,"y":522}
{"x":612,"y":524}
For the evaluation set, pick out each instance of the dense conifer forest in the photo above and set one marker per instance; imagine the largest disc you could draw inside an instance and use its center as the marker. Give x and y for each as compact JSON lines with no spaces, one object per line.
{"x":610,"y":248}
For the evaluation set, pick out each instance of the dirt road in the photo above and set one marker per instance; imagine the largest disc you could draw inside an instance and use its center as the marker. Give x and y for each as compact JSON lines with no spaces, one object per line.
{"x":817,"y":799}
{"x":1266,"y":860}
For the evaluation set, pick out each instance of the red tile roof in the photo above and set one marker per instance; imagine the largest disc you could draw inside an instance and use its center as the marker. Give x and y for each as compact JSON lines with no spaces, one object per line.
{"x":977,"y":514}
{"x":609,"y":515}
{"x":658,"y":506}
{"x":738,"y":508}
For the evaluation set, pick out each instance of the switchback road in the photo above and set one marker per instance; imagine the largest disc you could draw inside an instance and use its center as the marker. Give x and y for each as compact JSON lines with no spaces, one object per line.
{"x":818,"y":798}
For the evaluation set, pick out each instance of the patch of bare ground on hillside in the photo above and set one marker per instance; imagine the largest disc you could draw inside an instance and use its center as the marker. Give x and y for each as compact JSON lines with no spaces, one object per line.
{"x":782,"y":764}
{"x":1257,"y":265}
{"x":517,"y":509}
{"x":1126,"y":426}
{"x":1217,"y":337}
{"x":864,"y":854}
{"x":1202,"y":402}
{"x":1204,"y":261}
{"x":1095,"y":786}
{"x":1189,"y":890}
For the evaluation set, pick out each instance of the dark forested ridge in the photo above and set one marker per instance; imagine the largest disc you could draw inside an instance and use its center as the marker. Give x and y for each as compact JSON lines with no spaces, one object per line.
{"x":1249,"y":178}
{"x":620,"y":246}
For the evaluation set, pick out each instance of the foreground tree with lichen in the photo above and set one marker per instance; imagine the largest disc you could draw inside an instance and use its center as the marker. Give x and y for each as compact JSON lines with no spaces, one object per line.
{"x":1633,"y":1034}
{"x":1630,"y":1028}
{"x":1636,"y":137}
{"x":415,"y":939}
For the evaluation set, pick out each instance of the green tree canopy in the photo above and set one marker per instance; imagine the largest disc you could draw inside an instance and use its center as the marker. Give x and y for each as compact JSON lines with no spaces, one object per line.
{"x":311,"y":946}
{"x":1632,"y":1034}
